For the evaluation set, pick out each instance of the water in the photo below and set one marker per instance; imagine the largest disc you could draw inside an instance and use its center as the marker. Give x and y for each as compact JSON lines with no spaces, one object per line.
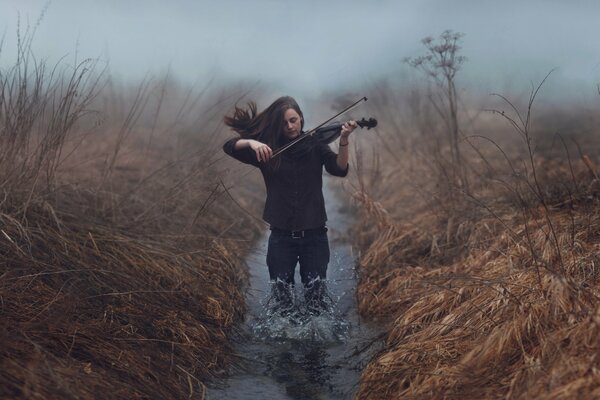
{"x":299,"y":355}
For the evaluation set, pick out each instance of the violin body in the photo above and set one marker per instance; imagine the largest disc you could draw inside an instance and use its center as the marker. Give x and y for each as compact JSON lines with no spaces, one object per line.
{"x":329,"y":133}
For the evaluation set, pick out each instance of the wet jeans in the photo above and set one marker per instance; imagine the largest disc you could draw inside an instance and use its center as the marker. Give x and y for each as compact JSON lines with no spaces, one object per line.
{"x":284,"y":252}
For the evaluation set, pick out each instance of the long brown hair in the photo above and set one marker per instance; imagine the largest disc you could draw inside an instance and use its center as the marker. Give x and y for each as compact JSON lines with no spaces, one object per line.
{"x":267,"y":126}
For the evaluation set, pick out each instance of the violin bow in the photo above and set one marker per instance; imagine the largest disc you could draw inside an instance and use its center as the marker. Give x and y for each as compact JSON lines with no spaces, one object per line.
{"x":313,"y":130}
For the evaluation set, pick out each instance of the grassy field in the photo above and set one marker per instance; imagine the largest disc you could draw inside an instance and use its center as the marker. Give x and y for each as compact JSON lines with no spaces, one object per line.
{"x":120,"y":247}
{"x":123,"y":228}
{"x":486,"y":271}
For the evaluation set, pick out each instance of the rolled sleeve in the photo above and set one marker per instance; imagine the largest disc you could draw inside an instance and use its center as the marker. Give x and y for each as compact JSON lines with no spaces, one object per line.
{"x":245,"y":155}
{"x":329,"y":159}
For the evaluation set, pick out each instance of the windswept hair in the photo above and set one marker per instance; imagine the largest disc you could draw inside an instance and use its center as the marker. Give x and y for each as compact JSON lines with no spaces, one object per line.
{"x":266,"y":126}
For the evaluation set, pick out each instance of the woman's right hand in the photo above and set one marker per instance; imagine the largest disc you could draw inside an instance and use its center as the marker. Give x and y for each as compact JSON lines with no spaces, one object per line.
{"x":263,"y":152}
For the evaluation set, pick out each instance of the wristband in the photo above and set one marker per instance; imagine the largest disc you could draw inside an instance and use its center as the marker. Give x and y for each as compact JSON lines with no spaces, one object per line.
{"x":342,"y":145}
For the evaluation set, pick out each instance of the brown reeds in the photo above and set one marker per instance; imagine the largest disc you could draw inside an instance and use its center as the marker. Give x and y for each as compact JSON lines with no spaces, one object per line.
{"x":497,"y":297}
{"x":120,"y":252}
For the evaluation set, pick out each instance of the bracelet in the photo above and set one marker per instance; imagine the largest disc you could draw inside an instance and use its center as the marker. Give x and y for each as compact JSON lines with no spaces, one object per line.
{"x":342,"y":145}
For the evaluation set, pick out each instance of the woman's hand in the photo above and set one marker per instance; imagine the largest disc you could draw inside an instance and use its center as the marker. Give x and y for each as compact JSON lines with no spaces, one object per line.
{"x":342,"y":157}
{"x":263,"y":152}
{"x":347,"y":129}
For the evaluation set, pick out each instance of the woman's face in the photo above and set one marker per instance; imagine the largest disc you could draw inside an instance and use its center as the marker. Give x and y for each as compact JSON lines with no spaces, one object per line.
{"x":292,"y":124}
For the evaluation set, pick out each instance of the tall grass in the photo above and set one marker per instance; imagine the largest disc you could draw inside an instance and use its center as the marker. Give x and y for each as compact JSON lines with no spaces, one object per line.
{"x":494,"y":295}
{"x":120,"y":273}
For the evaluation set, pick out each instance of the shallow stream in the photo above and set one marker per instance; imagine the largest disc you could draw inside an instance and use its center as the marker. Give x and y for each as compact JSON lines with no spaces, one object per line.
{"x":303,"y":356}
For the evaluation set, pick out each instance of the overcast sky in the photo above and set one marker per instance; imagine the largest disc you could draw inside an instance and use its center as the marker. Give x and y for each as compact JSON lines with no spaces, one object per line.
{"x":301,"y":47}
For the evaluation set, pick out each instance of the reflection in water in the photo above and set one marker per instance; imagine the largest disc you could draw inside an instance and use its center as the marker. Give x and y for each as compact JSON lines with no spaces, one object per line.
{"x":303,"y":371}
{"x":299,"y":355}
{"x":299,"y":344}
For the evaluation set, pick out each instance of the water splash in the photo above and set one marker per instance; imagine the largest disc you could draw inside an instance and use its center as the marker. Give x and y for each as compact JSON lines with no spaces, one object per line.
{"x":312,"y":316}
{"x":290,"y":351}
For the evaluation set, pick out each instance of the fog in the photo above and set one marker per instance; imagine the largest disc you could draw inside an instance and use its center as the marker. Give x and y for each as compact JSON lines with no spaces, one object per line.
{"x":305,"y":47}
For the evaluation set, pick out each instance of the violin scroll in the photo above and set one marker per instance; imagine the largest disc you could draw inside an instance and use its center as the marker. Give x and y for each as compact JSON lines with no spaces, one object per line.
{"x":370,"y":123}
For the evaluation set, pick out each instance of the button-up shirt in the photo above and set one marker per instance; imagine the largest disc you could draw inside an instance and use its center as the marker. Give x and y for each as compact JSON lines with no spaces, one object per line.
{"x":295,"y":188}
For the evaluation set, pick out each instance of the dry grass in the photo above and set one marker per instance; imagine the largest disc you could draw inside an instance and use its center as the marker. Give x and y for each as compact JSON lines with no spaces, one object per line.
{"x":496,"y":296}
{"x":120,"y":250}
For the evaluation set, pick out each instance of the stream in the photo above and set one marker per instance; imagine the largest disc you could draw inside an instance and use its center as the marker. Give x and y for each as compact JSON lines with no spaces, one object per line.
{"x":302,"y":356}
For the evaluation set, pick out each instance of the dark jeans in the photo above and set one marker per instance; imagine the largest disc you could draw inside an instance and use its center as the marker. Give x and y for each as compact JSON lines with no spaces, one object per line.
{"x":312,"y":252}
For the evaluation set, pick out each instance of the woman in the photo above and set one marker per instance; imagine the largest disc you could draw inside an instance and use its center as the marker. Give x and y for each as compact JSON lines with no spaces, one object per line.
{"x":294,"y":208}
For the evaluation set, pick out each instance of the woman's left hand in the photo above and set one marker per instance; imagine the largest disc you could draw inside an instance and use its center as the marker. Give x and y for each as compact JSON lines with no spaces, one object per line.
{"x":347,"y":128}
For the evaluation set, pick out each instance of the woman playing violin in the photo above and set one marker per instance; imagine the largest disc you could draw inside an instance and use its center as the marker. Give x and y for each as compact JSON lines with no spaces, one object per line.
{"x":295,"y":207}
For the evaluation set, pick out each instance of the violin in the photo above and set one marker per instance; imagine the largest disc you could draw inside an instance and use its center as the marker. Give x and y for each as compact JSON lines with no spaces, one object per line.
{"x":324,"y":134}
{"x":330,"y":133}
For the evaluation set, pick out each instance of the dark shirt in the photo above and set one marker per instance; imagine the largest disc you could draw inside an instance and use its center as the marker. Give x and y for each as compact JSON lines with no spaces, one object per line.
{"x":294,"y":189}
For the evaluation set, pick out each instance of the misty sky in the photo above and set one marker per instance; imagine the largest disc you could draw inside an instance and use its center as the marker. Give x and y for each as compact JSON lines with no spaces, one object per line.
{"x":301,"y":47}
